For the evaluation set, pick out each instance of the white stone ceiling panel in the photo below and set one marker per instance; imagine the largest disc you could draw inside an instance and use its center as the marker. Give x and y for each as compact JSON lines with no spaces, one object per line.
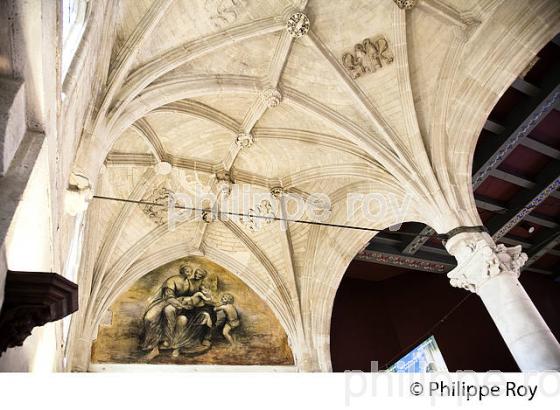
{"x":220,"y":237}
{"x":188,"y":20}
{"x":287,"y":116}
{"x":186,"y":234}
{"x":341,"y":26}
{"x":131,"y":142}
{"x":188,"y":137}
{"x":335,"y":187}
{"x":130,"y":14}
{"x":308,"y":72}
{"x":265,"y":238}
{"x":234,"y":106}
{"x":382,"y":90}
{"x":425,"y":58}
{"x":119,"y":181}
{"x":462,"y":6}
{"x":278,"y":158}
{"x":188,"y":181}
{"x":249,"y":57}
{"x":137,"y":226}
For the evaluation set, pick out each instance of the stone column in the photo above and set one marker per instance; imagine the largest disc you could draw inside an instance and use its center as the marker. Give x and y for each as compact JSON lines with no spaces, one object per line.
{"x":492,"y":272}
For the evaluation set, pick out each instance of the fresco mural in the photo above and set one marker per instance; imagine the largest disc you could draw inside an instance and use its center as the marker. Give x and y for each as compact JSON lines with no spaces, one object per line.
{"x":191,"y":311}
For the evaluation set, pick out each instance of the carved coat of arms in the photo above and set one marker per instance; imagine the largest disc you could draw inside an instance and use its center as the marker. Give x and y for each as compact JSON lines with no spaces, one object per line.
{"x":369,"y":56}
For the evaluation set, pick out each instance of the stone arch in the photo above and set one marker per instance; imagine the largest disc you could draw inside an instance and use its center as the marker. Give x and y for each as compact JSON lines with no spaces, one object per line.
{"x":175,"y":253}
{"x":324,"y":270}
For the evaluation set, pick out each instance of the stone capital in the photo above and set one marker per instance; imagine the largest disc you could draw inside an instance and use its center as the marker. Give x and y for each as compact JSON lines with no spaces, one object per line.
{"x":78,"y":194}
{"x":277,"y":192}
{"x":224,"y":183}
{"x":405,"y":4}
{"x":479,"y":259}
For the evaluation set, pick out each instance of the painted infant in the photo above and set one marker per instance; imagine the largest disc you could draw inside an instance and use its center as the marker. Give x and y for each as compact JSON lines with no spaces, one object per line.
{"x":231,"y":315}
{"x":198,"y":299}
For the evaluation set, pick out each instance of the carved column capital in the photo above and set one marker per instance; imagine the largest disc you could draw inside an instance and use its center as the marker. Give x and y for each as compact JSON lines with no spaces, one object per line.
{"x":78,"y":194}
{"x":277,"y":191}
{"x":479,"y":259}
{"x":405,"y":4}
{"x":225,"y":182}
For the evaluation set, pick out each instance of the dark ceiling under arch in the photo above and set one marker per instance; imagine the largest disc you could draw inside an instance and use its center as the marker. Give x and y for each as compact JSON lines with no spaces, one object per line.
{"x":516,"y":176}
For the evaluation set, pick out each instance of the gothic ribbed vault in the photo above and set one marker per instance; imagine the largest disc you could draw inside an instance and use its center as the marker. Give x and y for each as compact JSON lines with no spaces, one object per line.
{"x":203,"y":97}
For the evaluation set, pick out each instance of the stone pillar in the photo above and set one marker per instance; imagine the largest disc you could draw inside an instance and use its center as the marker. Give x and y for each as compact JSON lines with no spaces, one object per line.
{"x":492,"y":272}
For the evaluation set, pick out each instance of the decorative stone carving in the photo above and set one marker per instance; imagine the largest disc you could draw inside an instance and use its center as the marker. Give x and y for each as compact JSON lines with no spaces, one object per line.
{"x":157,"y":203}
{"x":33,"y":299}
{"x":277,"y":191}
{"x":298,"y":25}
{"x":78,"y":194}
{"x":479,"y":260}
{"x":369,"y":56}
{"x":225,"y":12}
{"x":405,"y":4}
{"x":163,"y":168}
{"x":261,"y":214}
{"x":225,"y":181}
{"x":244,"y":140}
{"x":272,"y":97}
{"x":208,"y":216}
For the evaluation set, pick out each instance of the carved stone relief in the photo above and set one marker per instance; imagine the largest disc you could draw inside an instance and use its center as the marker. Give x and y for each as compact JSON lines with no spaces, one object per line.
{"x":244,"y":140}
{"x":272,"y":97}
{"x":277,"y":191}
{"x":298,"y":25}
{"x":480,"y":260}
{"x":258,"y":216}
{"x":157,"y":205}
{"x":224,"y":12}
{"x":225,"y":182}
{"x":369,"y":56}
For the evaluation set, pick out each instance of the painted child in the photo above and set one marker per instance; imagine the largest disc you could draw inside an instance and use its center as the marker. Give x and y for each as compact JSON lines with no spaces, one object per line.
{"x":231,"y":315}
{"x":198,"y":299}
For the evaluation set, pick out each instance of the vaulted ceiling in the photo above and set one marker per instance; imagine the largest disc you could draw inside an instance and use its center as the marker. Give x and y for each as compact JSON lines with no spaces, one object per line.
{"x":273,"y":96}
